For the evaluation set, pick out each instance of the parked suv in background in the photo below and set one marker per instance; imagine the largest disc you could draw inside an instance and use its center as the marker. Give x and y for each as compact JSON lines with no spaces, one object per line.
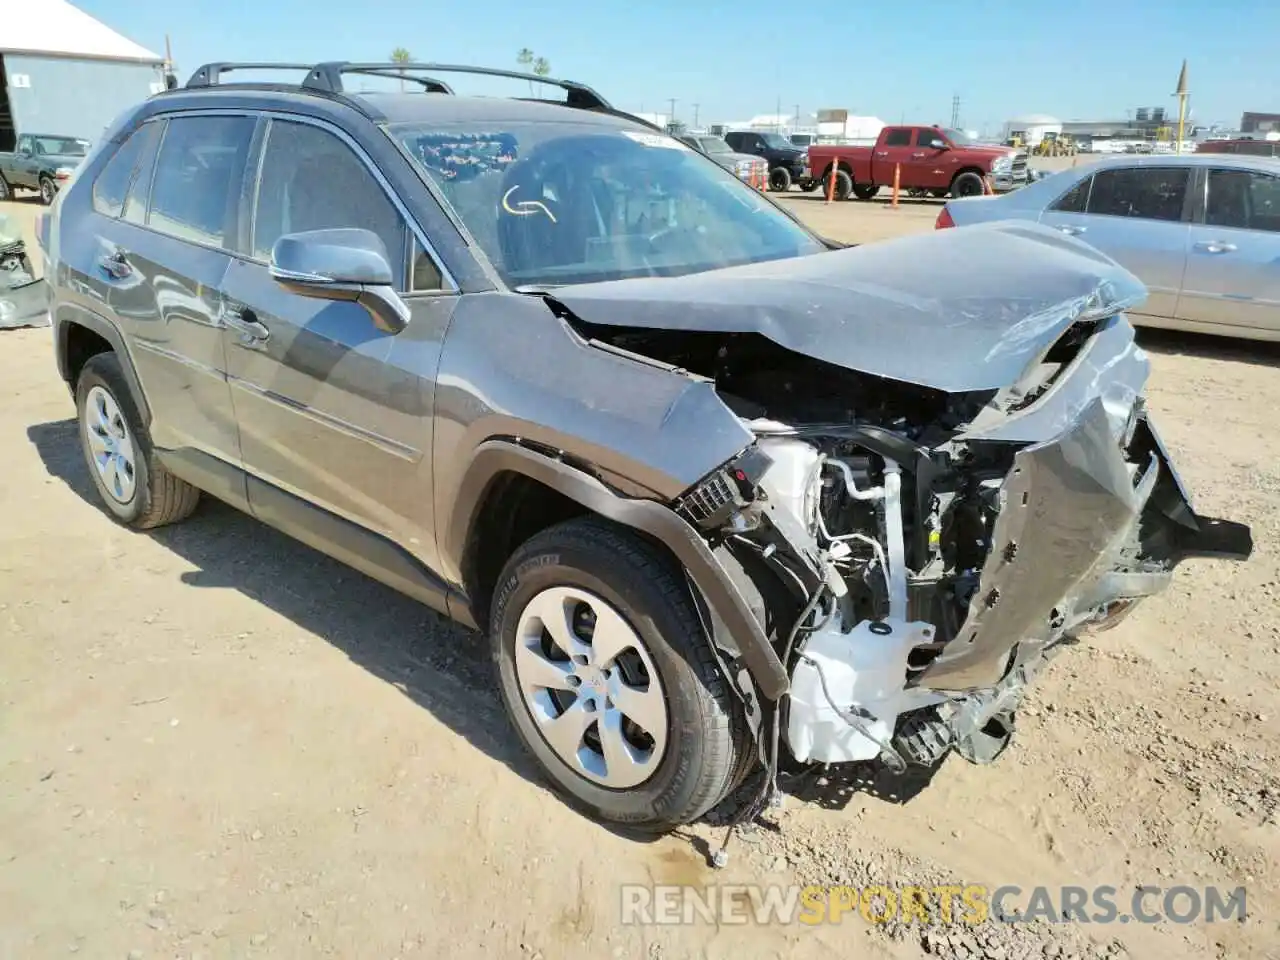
{"x":553,"y":373}
{"x":788,"y":163}
{"x":744,"y":166}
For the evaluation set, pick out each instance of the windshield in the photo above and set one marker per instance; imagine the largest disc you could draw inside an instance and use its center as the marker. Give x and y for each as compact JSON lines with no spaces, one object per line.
{"x":776,"y":141}
{"x":960,"y":138}
{"x":714,"y":145}
{"x":61,"y":146}
{"x":561,"y":203}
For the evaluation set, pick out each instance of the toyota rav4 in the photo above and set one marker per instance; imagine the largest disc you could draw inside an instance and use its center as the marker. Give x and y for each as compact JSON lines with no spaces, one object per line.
{"x":722,"y":495}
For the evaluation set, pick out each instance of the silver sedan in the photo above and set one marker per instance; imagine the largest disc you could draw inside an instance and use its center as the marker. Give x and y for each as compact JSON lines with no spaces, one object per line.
{"x":1202,"y":231}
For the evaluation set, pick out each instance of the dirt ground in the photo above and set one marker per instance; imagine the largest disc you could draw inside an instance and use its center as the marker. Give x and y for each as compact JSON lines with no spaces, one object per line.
{"x":215,"y":742}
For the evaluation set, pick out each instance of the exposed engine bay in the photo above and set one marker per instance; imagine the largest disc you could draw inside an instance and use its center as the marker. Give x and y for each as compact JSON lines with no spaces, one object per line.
{"x":934,"y":556}
{"x":948,"y":474}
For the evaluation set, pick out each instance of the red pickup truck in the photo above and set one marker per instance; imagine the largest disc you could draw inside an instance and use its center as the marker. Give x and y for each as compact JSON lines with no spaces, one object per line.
{"x":935,"y":160}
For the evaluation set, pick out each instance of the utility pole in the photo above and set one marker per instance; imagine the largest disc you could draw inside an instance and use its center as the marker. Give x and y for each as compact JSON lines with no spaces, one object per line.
{"x":777,"y":116}
{"x":672,"y":118}
{"x":955,"y":112}
{"x":797,"y":116}
{"x":695,"y":115}
{"x":1182,"y":93}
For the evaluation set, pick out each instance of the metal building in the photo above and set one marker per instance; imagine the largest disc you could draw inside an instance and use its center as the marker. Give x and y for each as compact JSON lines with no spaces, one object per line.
{"x":63,"y":72}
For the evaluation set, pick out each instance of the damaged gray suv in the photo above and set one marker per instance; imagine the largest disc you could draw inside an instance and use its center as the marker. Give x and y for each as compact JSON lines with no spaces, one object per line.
{"x":724,"y":496}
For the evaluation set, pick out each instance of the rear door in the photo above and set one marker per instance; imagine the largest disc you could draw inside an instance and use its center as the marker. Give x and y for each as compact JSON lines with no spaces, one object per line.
{"x":1138,"y":216}
{"x":1233,"y":252}
{"x":163,"y":262}
{"x":330,"y":408}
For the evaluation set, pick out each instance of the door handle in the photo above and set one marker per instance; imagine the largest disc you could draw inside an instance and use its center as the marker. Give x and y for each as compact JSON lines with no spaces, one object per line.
{"x":882,"y":153}
{"x":1216,"y":246}
{"x":1071,"y":231}
{"x":243,"y":320}
{"x":115,"y":264}
{"x":918,"y":155}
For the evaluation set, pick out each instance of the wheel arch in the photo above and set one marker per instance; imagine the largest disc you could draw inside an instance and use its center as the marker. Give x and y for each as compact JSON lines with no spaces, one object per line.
{"x":504,"y":468}
{"x":80,"y":335}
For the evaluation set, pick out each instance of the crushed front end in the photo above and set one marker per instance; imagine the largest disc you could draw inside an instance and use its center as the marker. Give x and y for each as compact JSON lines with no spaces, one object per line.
{"x":938,"y":547}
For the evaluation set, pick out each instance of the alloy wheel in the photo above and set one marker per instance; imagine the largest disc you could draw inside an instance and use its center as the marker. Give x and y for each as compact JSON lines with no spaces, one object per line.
{"x":112,"y":446}
{"x":591,"y":687}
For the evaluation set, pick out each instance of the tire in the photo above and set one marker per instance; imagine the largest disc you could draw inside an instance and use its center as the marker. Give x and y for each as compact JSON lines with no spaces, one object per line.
{"x":844,"y":184}
{"x":779,"y":179}
{"x":6,"y":191}
{"x":865,"y":191}
{"x":134,"y":486}
{"x":685,"y":769}
{"x":967,"y":184}
{"x":48,"y":191}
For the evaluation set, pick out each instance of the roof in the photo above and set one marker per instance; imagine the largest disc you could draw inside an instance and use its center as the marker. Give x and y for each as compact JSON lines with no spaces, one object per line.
{"x":451,"y":108}
{"x":56,"y":28}
{"x":1226,"y":160}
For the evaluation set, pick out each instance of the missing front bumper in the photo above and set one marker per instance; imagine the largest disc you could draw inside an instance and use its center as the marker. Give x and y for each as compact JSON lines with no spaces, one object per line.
{"x":1080,"y":531}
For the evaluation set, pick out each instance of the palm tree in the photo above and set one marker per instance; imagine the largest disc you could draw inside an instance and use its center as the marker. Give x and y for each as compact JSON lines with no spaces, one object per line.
{"x":539,"y":66}
{"x":401,"y":55}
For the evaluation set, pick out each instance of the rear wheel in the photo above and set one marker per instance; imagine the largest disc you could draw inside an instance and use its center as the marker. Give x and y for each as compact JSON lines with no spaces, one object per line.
{"x":966,"y":185}
{"x":779,"y":179}
{"x":610,"y":680}
{"x":843,"y":186}
{"x":133,"y":485}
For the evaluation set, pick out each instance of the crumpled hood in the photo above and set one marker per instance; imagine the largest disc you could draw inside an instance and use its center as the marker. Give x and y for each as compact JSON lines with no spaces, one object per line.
{"x":956,"y":310}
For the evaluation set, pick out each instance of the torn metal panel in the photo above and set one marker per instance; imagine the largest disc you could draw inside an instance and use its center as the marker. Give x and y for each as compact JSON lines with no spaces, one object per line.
{"x":989,"y":301}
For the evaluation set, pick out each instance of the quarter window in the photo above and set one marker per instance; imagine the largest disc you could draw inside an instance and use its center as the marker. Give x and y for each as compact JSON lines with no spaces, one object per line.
{"x":1243,"y":199}
{"x":1146,"y":193}
{"x":112,"y":184}
{"x":197,"y":178}
{"x":1074,"y":200}
{"x":311,"y":180}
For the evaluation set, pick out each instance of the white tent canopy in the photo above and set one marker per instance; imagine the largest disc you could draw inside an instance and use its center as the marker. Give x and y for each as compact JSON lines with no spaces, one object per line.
{"x":56,"y":28}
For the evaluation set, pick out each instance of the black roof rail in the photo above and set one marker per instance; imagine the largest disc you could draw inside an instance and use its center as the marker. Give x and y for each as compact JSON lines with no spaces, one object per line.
{"x":428,"y":84}
{"x":328,"y":77}
{"x":210,"y":75}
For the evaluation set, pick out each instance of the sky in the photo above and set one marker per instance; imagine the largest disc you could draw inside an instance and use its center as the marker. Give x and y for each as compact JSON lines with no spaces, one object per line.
{"x":1082,"y":59}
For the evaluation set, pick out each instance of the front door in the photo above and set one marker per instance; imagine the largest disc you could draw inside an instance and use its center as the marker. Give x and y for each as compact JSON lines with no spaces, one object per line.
{"x":1137,"y":216}
{"x":331,"y":409}
{"x":1233,"y":257}
{"x":929,"y":165}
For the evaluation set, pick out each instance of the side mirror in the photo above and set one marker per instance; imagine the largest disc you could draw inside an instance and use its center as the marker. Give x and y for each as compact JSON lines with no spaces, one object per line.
{"x":343,"y":264}
{"x":938,"y":144}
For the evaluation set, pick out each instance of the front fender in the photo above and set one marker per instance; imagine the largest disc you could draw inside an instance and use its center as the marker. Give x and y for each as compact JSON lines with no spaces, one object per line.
{"x":656,"y":520}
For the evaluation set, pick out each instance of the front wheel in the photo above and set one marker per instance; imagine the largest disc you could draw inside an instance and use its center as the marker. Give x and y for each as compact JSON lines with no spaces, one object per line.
{"x":48,"y":191}
{"x":610,"y":680}
{"x":779,"y":179}
{"x":967,"y":185}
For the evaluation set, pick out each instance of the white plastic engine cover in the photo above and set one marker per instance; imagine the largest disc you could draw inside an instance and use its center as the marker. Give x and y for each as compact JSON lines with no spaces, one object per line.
{"x":866,"y":673}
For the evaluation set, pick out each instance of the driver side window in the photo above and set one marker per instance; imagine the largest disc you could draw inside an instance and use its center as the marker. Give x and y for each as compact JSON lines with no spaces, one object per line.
{"x":25,"y":145}
{"x":311,"y":180}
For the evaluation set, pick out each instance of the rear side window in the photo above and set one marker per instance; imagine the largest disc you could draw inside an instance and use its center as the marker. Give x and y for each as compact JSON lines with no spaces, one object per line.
{"x":112,"y":185}
{"x":197,"y":179}
{"x":1243,"y":199}
{"x":135,"y":204}
{"x":898,"y":138}
{"x":1145,"y":193}
{"x":311,"y":180}
{"x":1074,"y":200}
